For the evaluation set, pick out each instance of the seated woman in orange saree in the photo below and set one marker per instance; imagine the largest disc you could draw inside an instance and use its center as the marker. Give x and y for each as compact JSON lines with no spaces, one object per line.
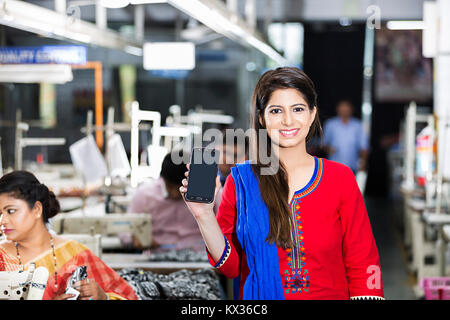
{"x":70,"y":255}
{"x":26,"y":206}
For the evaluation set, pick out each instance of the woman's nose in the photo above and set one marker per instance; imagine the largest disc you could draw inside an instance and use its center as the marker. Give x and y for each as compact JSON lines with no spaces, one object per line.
{"x":287,"y":118}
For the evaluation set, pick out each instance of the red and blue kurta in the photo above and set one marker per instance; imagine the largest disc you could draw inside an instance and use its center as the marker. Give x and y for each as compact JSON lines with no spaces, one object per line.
{"x":335,"y":256}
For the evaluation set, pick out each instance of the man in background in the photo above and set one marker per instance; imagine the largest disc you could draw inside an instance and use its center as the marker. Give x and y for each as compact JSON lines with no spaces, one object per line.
{"x":232,"y":151}
{"x":345,"y":140}
{"x":173,"y":225}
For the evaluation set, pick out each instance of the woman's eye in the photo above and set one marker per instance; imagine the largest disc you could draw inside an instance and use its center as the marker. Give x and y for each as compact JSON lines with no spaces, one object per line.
{"x":298,"y":109}
{"x":10,"y":211}
{"x":275,"y":111}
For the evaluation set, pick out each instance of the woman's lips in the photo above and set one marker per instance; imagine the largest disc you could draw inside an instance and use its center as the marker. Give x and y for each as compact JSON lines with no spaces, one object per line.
{"x":289,"y":133}
{"x":7,"y":230}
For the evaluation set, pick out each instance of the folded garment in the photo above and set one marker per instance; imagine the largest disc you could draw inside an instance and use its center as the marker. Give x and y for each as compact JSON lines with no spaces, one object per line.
{"x":180,"y":285}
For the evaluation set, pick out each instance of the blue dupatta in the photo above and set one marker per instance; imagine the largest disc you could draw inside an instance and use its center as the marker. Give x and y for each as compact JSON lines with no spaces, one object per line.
{"x":252,"y":227}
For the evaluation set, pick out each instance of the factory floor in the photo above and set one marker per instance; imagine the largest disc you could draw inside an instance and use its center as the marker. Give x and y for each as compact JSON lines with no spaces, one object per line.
{"x":384,"y":215}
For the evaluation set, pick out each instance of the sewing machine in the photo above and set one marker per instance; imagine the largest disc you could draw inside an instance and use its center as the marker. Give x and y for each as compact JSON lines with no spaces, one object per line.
{"x":92,"y":241}
{"x":426,"y":208}
{"x":410,"y":131}
{"x":23,"y":285}
{"x":109,"y":226}
{"x":22,"y":142}
{"x":155,"y":151}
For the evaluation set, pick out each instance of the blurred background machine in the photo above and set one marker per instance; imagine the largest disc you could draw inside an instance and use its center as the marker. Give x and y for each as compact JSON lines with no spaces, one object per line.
{"x":109,"y":226}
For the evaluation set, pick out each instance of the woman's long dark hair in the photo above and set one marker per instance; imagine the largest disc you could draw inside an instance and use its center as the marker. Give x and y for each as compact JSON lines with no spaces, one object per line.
{"x":25,"y":186}
{"x":274,"y":188}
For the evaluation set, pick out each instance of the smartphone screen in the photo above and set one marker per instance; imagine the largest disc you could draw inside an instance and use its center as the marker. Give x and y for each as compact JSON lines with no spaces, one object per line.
{"x":202,"y":175}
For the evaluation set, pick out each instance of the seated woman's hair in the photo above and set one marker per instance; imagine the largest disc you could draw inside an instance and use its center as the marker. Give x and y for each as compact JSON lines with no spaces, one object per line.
{"x":25,"y":186}
{"x":172,"y":172}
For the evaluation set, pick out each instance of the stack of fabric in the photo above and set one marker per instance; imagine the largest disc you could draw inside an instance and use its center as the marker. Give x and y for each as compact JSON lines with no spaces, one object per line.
{"x":184,"y":284}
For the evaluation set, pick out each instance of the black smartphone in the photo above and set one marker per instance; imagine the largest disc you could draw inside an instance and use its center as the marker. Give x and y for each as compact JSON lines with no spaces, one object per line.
{"x":202,"y":175}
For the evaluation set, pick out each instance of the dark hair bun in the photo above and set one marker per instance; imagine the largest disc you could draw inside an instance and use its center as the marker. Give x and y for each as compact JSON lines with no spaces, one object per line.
{"x":53,"y":206}
{"x":24,"y":185}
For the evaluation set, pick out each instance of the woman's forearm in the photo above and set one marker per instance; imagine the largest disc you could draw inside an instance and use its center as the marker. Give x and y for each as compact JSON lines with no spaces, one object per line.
{"x":212,"y":235}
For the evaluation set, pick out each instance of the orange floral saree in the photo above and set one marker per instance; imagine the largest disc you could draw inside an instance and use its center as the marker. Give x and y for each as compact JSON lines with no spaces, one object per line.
{"x":69,"y":256}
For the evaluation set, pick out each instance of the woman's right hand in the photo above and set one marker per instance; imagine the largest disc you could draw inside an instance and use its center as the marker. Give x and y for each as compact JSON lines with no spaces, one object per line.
{"x":64,"y":296}
{"x":199,"y":210}
{"x":206,"y":220}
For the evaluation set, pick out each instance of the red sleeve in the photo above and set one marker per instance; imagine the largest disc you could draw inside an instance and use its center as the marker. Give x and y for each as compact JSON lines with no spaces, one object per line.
{"x":226,"y":217}
{"x":359,"y":248}
{"x":2,"y":262}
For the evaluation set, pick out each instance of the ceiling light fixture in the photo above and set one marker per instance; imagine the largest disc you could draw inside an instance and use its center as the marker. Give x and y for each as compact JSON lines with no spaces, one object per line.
{"x":405,"y":25}
{"x":36,"y":73}
{"x":114,"y":4}
{"x":147,"y":1}
{"x":48,"y":23}
{"x":215,"y":15}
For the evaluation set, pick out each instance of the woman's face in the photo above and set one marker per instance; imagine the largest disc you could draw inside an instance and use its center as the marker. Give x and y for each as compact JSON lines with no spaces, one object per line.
{"x":16,"y":217}
{"x":288,"y":118}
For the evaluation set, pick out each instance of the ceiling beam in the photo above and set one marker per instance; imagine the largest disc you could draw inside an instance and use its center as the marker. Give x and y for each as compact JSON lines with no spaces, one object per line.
{"x":52,"y":24}
{"x":217,"y":16}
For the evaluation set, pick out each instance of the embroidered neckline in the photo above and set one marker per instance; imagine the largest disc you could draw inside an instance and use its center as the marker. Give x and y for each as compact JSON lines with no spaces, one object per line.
{"x":313,"y":182}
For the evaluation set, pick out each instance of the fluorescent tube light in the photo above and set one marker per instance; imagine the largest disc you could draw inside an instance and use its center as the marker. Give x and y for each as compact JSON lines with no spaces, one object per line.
{"x":48,"y":23}
{"x":147,"y":1}
{"x":36,"y":73}
{"x":406,"y":25}
{"x":114,"y":4}
{"x":215,"y":15}
{"x":133,"y":50}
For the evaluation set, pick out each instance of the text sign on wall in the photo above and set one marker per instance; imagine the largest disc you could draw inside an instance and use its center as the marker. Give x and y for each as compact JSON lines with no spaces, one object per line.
{"x":44,"y":54}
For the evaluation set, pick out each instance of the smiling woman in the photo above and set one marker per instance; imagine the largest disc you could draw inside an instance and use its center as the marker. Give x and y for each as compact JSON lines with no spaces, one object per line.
{"x":288,"y":120}
{"x":301,"y":232}
{"x":25,"y":207}
{"x":284,"y":104}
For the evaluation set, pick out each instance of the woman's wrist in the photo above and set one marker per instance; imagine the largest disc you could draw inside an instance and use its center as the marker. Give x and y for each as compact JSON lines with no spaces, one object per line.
{"x":206,"y":218}
{"x":212,"y":235}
